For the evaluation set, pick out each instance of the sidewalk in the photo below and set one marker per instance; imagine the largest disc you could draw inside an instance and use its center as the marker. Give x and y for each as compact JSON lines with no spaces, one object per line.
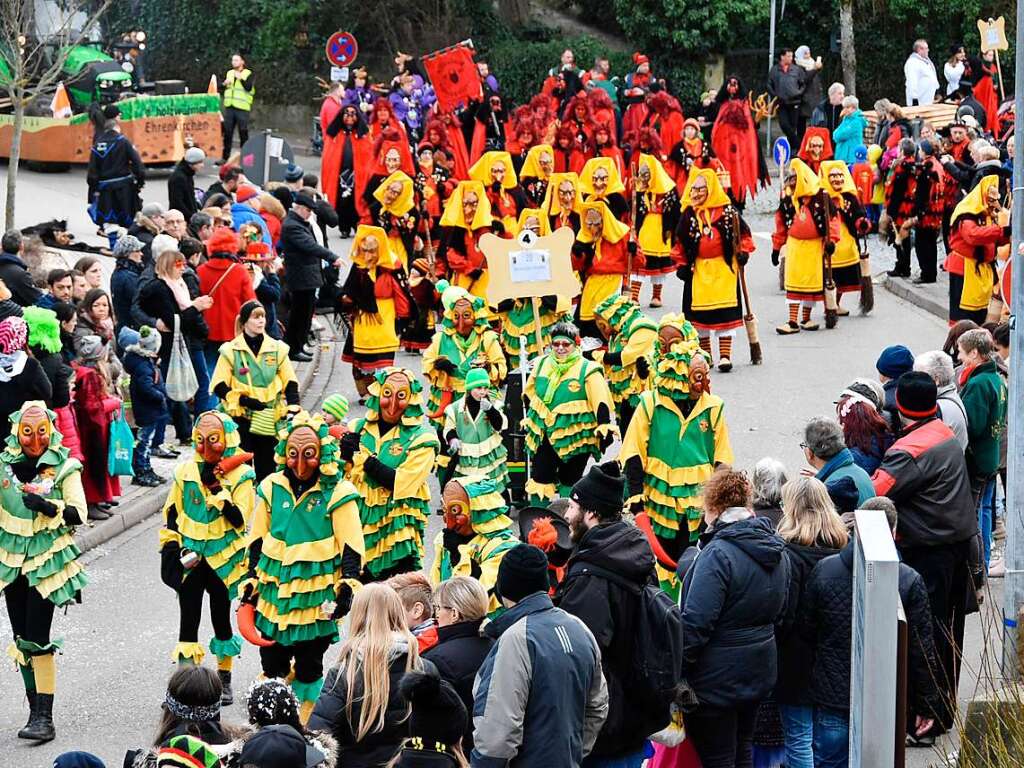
{"x":138,"y":503}
{"x":933,"y":298}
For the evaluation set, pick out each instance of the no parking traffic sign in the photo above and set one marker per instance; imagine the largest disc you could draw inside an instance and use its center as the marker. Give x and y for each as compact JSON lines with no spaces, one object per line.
{"x":342,"y":49}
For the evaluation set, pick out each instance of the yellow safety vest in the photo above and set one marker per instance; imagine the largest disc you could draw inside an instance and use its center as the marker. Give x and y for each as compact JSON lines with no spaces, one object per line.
{"x":235,"y":95}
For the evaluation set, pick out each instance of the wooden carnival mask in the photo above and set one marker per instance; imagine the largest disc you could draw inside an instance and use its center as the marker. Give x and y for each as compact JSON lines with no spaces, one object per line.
{"x":456,"y":509}
{"x":210,"y":441}
{"x":34,"y":432}
{"x":668,"y":337}
{"x":395,"y":394}
{"x":464,"y":317}
{"x":302,"y":453}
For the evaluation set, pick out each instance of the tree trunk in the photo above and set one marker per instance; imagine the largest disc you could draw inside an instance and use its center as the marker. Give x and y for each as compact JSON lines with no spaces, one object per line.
{"x":847,"y":51}
{"x":516,"y":13}
{"x":12,"y":167}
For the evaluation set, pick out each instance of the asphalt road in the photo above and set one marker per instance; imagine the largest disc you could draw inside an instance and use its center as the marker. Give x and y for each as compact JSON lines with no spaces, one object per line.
{"x":111,"y":677}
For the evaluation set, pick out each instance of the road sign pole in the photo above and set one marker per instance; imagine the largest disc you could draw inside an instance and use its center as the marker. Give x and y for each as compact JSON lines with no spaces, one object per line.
{"x":771,"y":63}
{"x":1013,"y":597}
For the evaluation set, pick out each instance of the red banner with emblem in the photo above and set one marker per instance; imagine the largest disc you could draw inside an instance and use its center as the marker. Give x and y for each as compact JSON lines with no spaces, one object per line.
{"x":454,"y":76}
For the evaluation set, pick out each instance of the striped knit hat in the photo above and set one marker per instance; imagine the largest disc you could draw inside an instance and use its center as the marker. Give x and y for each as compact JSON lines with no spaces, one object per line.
{"x":186,"y":752}
{"x":337,"y":406}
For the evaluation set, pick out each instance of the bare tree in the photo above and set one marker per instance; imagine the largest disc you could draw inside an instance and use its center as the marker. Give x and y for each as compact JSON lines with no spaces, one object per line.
{"x":847,"y":52}
{"x":35,"y":62}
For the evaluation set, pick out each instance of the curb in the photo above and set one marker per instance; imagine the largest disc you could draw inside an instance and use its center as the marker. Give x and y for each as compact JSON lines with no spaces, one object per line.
{"x":906,"y":292}
{"x":153,"y":501}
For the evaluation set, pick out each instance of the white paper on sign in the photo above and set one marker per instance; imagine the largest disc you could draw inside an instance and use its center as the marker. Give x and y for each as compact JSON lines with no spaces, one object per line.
{"x":529,"y":266}
{"x":275,"y":146}
{"x":992,"y":36}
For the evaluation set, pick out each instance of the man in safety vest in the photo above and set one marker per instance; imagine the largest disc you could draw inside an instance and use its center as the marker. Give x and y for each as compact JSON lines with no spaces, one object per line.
{"x":238,"y":93}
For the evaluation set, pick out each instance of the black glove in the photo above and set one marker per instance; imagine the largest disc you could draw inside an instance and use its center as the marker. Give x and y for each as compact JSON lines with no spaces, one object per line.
{"x":743,"y":258}
{"x":444,"y":365}
{"x":631,"y":247}
{"x":249,"y":595}
{"x":605,"y":440}
{"x":233,"y":515}
{"x":251,"y":403}
{"x":684,"y":272}
{"x":380,"y":472}
{"x":830,"y":247}
{"x":476,"y":274}
{"x":498,"y":227}
{"x":613,"y":358}
{"x":349,"y":446}
{"x":172,"y":572}
{"x":550,"y":303}
{"x":775,"y":257}
{"x":643,"y":368}
{"x":686,"y":697}
{"x":37,"y":503}
{"x":452,"y":540}
{"x":344,"y":602}
{"x":208,"y":475}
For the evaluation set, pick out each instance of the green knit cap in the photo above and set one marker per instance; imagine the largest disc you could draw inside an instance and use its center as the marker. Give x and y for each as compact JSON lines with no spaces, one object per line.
{"x":337,"y":406}
{"x":43,"y":329}
{"x":477,"y":377}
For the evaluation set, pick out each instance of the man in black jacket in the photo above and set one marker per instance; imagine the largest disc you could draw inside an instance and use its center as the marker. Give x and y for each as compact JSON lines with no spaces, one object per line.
{"x":14,"y":272}
{"x":181,"y":184}
{"x":786,"y":82}
{"x":606,"y":544}
{"x":925,"y":475}
{"x":824,"y":621}
{"x":303,"y":271}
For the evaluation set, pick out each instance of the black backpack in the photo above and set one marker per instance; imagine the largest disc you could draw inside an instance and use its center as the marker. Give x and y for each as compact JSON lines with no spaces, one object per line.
{"x":656,"y":657}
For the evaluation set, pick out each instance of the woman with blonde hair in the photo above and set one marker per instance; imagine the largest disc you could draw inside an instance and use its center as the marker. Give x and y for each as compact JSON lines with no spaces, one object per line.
{"x":812,"y":530}
{"x":361,"y":704}
{"x":460,"y":606}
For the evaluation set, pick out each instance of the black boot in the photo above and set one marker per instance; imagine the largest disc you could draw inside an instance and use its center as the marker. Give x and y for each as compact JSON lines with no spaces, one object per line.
{"x":227,"y":696}
{"x":31,"y":695}
{"x":40,"y":725}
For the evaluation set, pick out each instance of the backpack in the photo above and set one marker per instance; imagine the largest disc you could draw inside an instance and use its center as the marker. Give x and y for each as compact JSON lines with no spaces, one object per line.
{"x":657,"y":648}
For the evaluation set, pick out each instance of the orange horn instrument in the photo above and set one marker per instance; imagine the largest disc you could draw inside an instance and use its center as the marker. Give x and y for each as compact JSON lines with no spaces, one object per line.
{"x":246,"y":617}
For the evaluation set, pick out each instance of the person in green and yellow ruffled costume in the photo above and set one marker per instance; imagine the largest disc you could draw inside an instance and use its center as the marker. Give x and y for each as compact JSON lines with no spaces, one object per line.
{"x":202,"y":543}
{"x":256,"y":384}
{"x":472,"y":430}
{"x":391,"y":452}
{"x":631,"y":337}
{"x":41,"y":500}
{"x":463,"y":341}
{"x":568,"y":416}
{"x":676,"y":438}
{"x":305,"y":552}
{"x":477,"y":534}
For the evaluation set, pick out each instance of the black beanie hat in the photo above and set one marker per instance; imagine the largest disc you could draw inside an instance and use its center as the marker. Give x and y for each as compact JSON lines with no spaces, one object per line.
{"x":601,"y":489}
{"x":916,"y":395}
{"x":246,"y":310}
{"x":523,"y":571}
{"x":438,"y":718}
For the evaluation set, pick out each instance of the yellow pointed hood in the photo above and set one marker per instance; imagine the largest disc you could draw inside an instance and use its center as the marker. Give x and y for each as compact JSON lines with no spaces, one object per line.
{"x":614,"y":230}
{"x":404,"y":203}
{"x":531,"y":165}
{"x":830,"y":166}
{"x":615,"y":184}
{"x":387,"y":260}
{"x":453,"y":216}
{"x":481,"y":170}
{"x":807,"y":181}
{"x":975,"y":202}
{"x":550,"y":205}
{"x":661,"y":182}
{"x":717,"y":196}
{"x":545,"y":225}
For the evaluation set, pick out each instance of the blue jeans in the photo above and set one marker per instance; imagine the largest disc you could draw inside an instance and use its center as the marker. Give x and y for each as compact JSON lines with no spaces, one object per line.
{"x":204,"y":401}
{"x":798,"y":727}
{"x":629,"y":761}
{"x":986,"y":516}
{"x":831,"y":738}
{"x":144,"y":446}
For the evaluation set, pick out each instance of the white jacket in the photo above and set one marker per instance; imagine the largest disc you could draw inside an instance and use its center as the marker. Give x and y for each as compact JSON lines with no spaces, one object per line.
{"x":922,"y":82}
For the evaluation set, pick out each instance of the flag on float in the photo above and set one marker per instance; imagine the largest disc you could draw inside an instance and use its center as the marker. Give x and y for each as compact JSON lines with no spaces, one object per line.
{"x":61,"y":104}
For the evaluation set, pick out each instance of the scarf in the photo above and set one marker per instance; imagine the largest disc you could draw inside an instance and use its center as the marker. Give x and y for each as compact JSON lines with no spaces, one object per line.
{"x":556,"y":372}
{"x":180,"y":291}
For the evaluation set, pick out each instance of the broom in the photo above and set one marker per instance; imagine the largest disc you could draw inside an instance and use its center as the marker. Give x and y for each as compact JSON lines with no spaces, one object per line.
{"x":749,"y":321}
{"x":831,"y":300}
{"x":867,"y":287}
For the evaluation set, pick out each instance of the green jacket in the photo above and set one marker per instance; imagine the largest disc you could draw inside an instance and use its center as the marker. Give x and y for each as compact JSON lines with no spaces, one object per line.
{"x":984,"y":397}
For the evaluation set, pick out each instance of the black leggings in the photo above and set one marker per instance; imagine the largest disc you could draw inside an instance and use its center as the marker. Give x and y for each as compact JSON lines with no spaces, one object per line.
{"x":548,"y":468}
{"x":199,"y":581}
{"x":308,"y":656}
{"x":30,"y":613}
{"x":262,"y":448}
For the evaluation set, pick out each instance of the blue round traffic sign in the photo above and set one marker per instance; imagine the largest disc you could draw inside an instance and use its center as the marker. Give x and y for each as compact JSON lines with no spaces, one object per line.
{"x":342,"y":49}
{"x":781,"y":150}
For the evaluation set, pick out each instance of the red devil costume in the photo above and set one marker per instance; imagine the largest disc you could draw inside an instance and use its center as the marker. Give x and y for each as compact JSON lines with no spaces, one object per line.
{"x":735,"y":144}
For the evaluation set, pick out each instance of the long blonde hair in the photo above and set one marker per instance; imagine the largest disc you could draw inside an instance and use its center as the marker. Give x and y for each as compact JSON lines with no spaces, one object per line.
{"x":808,"y":515}
{"x":377,"y":620}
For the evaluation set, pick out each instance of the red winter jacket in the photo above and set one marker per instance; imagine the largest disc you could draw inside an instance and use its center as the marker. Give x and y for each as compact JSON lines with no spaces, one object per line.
{"x":234,"y":289}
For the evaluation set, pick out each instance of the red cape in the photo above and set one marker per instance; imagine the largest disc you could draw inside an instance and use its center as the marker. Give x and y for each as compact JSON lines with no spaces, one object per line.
{"x":734,"y":141}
